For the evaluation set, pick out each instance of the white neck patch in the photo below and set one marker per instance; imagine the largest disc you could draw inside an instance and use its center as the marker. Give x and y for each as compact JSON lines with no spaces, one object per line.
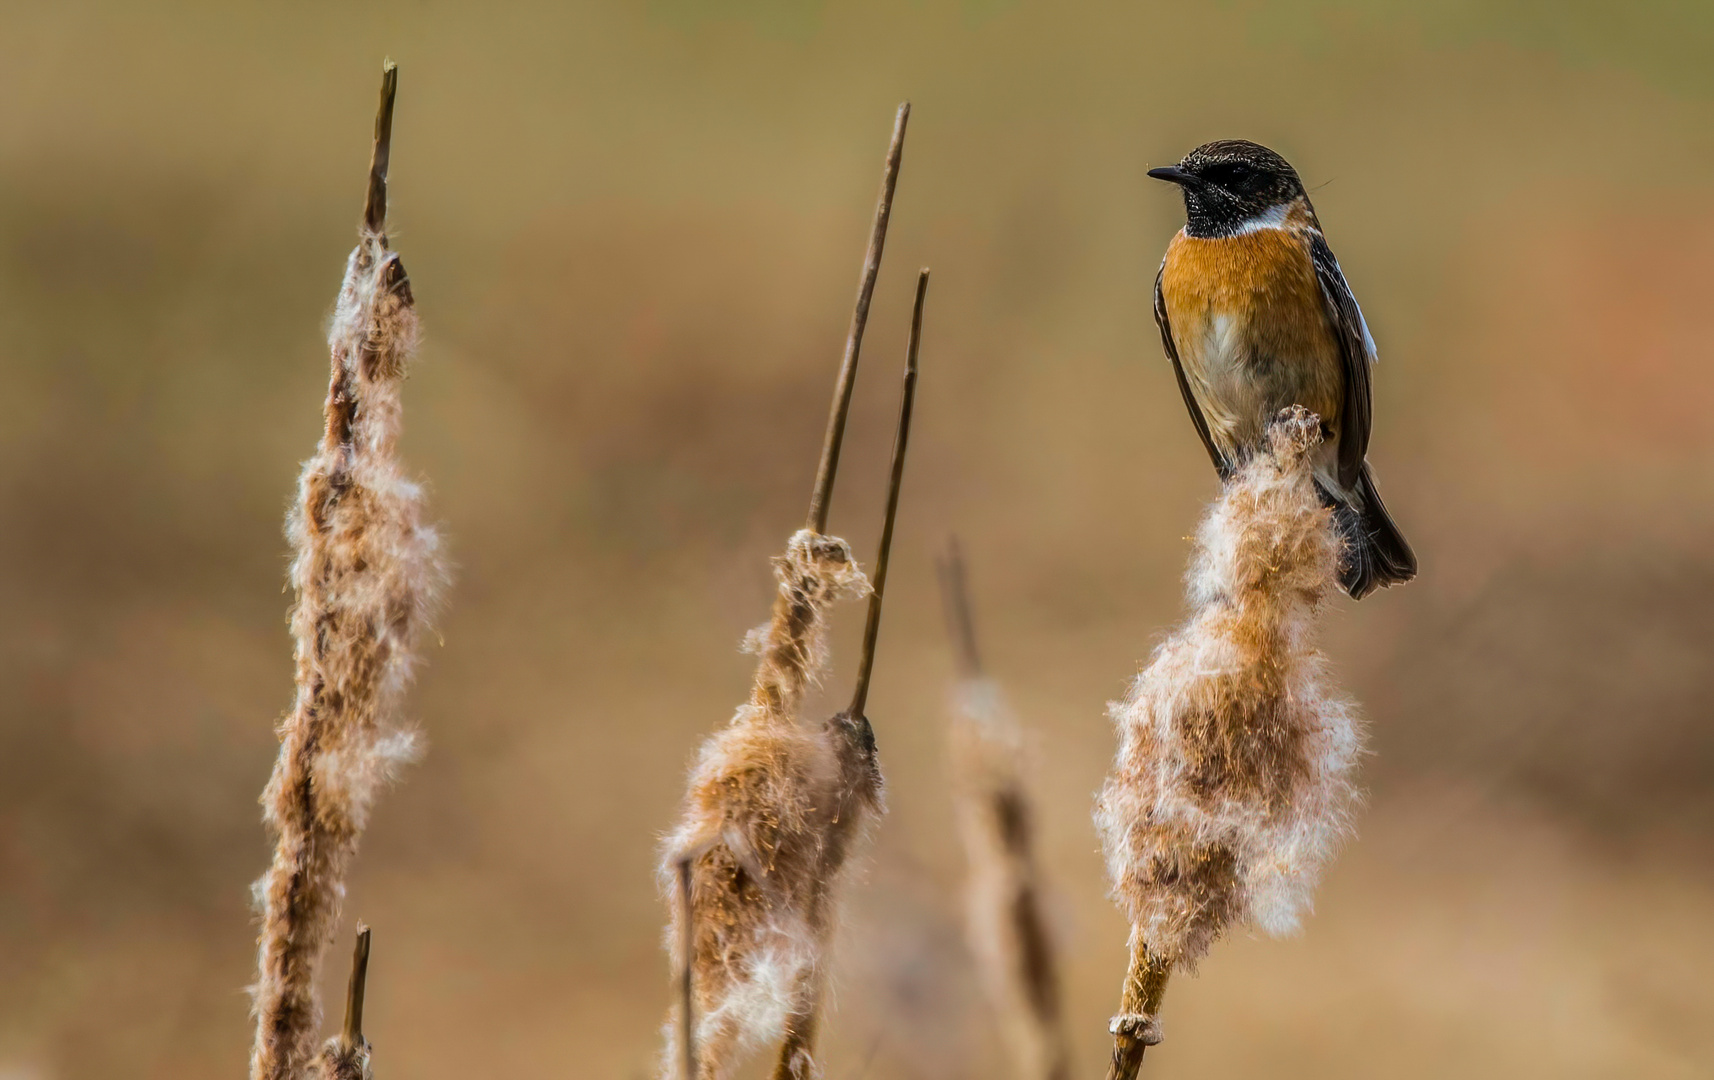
{"x":1272,"y":218}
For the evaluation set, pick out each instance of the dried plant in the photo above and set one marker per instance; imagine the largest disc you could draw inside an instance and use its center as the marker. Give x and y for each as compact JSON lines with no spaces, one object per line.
{"x":1232,"y":785}
{"x":346,"y":1055}
{"x":1007,"y":922}
{"x":366,"y":572}
{"x":756,"y":821}
{"x":774,"y":804}
{"x":850,"y":742}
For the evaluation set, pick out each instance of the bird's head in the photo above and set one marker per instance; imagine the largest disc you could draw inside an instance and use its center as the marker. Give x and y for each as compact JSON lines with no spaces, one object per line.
{"x":1233,"y":185}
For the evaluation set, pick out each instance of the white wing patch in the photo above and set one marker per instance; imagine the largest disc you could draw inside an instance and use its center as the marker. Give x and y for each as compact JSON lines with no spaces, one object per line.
{"x":1369,"y":348}
{"x":1368,"y":338}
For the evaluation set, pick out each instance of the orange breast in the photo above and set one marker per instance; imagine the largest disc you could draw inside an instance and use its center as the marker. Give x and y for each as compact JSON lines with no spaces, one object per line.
{"x":1248,"y":323}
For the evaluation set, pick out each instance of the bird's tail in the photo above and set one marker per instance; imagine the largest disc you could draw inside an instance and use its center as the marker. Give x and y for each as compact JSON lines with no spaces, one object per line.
{"x":1376,"y":553}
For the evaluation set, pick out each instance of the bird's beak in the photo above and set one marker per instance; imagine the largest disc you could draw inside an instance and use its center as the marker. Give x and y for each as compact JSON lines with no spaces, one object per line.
{"x":1172,"y":174}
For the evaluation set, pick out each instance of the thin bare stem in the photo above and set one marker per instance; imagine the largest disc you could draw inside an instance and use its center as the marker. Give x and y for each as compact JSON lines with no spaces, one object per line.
{"x":878,"y":580}
{"x":346,"y":1055}
{"x":375,"y":202}
{"x":687,"y":988}
{"x":859,"y":778}
{"x":822,"y":496}
{"x":955,"y":602}
{"x":355,"y":990}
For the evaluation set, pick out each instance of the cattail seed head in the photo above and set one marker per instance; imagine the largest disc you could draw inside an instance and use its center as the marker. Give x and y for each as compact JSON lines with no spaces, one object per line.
{"x":366,"y":573}
{"x":1232,"y":785}
{"x":772,"y":807}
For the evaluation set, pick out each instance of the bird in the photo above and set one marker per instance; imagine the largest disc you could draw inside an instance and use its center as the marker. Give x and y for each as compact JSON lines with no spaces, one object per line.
{"x":1256,"y":317}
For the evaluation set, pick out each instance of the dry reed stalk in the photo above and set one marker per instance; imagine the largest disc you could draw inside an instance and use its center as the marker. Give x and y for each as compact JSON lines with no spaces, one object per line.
{"x":850,"y":741}
{"x":687,"y":973}
{"x":774,"y":805}
{"x":822,"y":494}
{"x":1007,"y":922}
{"x":346,"y":1055}
{"x":1232,"y":785}
{"x":365,"y":572}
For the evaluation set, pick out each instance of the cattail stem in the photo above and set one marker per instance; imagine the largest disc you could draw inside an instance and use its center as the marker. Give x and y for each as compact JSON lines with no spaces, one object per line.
{"x":878,"y":576}
{"x":822,"y":495}
{"x":686,"y":979}
{"x":955,"y":605}
{"x":1135,"y":1029}
{"x":346,"y":1056}
{"x":375,"y":202}
{"x":851,"y":737}
{"x":354,"y":991}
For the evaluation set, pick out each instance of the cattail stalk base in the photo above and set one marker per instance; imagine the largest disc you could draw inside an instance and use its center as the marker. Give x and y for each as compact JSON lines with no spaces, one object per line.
{"x":1137,"y":1026}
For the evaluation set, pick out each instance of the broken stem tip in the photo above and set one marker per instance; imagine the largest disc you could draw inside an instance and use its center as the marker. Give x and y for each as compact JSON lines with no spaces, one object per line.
{"x":822,"y":495}
{"x":355,"y":991}
{"x":872,"y":628}
{"x":375,"y":203}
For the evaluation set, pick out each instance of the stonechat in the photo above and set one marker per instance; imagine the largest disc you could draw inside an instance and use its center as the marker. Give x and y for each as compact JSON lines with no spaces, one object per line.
{"x":1256,"y":316}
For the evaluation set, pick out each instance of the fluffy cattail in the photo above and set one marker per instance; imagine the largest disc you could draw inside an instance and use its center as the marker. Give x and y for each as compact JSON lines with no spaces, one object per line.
{"x":365,"y":574}
{"x":774,"y":804}
{"x":1232,"y":786}
{"x":1007,"y":922}
{"x":346,"y":1055}
{"x":768,"y":800}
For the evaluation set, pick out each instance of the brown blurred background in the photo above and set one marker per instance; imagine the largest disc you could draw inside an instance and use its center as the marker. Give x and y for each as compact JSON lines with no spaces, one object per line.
{"x":634,"y":232}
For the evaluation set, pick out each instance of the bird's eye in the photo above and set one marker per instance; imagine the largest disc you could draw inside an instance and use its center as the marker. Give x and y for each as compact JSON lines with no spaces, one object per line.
{"x":1232,"y":175}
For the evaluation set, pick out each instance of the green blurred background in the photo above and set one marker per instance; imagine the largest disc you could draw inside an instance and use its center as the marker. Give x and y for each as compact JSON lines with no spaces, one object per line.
{"x":634,"y":233}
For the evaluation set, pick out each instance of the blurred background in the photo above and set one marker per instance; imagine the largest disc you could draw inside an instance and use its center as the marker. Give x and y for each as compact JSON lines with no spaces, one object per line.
{"x":634,"y":233}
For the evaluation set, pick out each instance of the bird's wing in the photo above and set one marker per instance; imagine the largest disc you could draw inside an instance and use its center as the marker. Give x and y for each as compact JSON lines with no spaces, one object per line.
{"x":1220,"y":463}
{"x":1357,"y":349}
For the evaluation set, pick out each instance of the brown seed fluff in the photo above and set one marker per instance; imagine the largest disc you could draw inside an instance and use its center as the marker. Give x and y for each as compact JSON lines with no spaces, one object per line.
{"x":341,"y":1060}
{"x":772,"y":809}
{"x":366,"y":573}
{"x":1232,"y":786}
{"x":1008,"y":925}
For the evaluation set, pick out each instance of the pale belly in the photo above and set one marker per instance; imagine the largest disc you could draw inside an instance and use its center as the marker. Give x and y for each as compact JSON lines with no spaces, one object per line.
{"x":1240,"y":390}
